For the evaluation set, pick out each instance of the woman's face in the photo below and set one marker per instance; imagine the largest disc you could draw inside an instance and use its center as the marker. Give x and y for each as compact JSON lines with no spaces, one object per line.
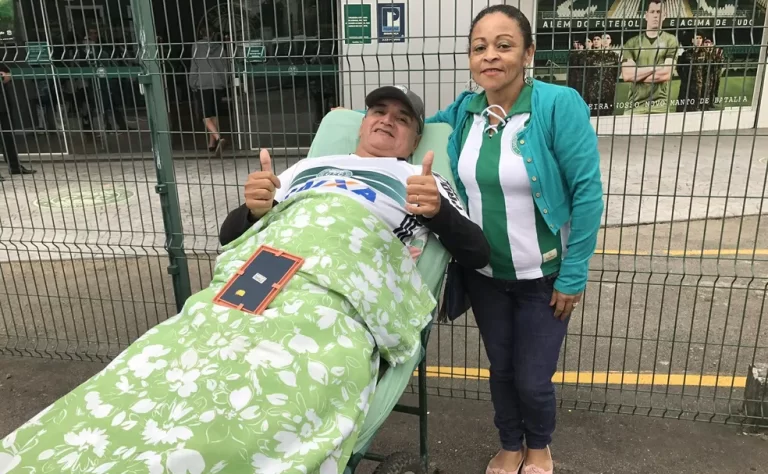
{"x":497,"y":54}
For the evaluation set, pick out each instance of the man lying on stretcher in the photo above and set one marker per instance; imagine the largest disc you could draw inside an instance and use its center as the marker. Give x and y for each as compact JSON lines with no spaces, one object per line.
{"x":410,"y":199}
{"x":285,"y":390}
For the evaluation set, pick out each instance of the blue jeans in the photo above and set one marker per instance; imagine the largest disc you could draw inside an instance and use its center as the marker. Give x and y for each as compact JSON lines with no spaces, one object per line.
{"x":522,"y":338}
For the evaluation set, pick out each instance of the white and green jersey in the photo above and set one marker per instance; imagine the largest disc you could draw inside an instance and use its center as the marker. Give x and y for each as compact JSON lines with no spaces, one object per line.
{"x":378,"y":183}
{"x":499,"y":195}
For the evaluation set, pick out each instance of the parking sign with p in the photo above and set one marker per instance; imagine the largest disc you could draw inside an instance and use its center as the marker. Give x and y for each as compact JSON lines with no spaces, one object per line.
{"x":391,"y":20}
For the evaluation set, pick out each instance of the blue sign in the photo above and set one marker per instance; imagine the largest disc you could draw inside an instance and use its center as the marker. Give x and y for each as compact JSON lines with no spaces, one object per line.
{"x":391,"y":20}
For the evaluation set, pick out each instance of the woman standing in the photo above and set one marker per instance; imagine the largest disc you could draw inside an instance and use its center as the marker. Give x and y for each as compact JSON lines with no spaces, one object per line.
{"x":525,"y":159}
{"x":208,"y":80}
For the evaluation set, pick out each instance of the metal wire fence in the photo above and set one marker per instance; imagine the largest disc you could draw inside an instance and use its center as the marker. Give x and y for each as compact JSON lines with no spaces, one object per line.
{"x":108,"y":102}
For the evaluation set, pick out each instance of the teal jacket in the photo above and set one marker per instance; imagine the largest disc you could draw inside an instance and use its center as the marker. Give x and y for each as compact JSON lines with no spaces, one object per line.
{"x":564,"y":169}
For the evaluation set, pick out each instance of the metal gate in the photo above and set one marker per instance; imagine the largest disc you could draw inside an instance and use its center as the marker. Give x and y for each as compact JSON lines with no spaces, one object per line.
{"x":119,"y":225}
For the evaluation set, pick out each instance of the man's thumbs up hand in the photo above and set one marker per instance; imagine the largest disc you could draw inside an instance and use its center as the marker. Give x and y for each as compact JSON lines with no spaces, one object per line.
{"x":426,"y":164}
{"x":266,"y":160}
{"x":260,"y":187}
{"x":422,"y":195}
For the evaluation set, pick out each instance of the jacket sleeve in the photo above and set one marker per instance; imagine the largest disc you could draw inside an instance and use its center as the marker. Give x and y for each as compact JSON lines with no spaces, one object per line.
{"x":461,"y":237}
{"x":576,"y":150}
{"x":235,"y":224}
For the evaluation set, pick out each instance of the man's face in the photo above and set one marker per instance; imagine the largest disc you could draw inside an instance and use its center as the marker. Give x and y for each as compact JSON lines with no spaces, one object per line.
{"x":389,"y":130}
{"x":653,"y":16}
{"x":697,"y":40}
{"x":597,"y":42}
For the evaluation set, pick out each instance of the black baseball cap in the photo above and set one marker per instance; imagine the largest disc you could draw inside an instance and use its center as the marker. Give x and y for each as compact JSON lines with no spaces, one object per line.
{"x":401,"y":93}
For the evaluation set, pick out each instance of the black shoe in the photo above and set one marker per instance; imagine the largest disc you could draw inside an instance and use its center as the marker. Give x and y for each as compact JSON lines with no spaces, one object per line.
{"x":23,"y":170}
{"x":216,"y":147}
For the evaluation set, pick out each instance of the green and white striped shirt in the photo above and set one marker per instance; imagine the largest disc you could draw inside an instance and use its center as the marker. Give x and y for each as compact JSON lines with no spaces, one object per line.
{"x":500,"y":198}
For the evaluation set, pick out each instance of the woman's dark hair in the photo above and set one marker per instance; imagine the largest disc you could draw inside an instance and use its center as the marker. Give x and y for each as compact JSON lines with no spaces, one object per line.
{"x":513,"y":13}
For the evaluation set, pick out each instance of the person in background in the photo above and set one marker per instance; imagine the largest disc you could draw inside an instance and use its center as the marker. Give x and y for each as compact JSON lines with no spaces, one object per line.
{"x":606,"y":41}
{"x":10,"y":153}
{"x":715,"y":61}
{"x":525,"y":159}
{"x":208,"y":81}
{"x":107,"y":90}
{"x":602,"y":77}
{"x":578,"y":69}
{"x":648,"y":60}
{"x":597,"y":42}
{"x":688,"y":68}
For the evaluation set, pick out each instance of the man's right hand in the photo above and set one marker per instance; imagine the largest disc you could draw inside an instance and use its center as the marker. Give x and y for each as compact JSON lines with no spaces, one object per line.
{"x":6,"y":77}
{"x":260,"y":187}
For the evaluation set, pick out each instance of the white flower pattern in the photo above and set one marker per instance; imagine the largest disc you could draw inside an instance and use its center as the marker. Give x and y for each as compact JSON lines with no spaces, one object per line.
{"x":217,"y":390}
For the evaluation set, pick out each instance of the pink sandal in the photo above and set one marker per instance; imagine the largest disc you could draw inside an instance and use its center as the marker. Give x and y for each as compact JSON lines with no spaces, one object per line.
{"x":531,"y":469}
{"x":498,"y":470}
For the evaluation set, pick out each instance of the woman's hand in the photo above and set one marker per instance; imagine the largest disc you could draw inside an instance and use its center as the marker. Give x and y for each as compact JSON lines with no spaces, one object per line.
{"x":564,"y":304}
{"x":415,"y":252}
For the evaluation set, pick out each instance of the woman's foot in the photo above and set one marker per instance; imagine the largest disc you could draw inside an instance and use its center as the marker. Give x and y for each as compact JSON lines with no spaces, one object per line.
{"x":538,"y":461}
{"x":216,"y":145}
{"x":505,"y":462}
{"x":213,"y":143}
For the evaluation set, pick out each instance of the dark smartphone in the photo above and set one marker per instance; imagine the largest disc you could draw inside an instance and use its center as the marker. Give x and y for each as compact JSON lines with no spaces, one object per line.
{"x":259,"y":280}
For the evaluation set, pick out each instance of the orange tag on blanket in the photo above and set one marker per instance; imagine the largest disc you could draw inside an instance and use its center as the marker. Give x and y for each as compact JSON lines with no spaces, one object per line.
{"x":259,"y":280}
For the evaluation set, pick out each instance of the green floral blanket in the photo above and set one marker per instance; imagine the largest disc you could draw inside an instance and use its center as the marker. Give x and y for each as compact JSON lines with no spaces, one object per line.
{"x":217,"y":390}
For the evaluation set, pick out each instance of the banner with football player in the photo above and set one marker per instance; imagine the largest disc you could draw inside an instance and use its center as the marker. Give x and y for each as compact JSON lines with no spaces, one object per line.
{"x":651,"y":56}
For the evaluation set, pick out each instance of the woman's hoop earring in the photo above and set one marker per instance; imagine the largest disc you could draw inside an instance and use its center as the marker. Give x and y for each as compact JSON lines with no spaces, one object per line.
{"x":472,"y":85}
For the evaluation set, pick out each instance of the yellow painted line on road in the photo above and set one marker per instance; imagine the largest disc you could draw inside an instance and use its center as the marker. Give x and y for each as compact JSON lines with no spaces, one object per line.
{"x":686,"y":253}
{"x":602,"y":378}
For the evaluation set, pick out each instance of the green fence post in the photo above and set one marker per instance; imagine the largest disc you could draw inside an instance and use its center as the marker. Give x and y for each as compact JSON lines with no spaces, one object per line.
{"x":154,"y":92}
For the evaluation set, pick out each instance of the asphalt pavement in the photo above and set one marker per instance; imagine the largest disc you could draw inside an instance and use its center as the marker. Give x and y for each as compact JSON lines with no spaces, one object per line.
{"x":461,"y":434}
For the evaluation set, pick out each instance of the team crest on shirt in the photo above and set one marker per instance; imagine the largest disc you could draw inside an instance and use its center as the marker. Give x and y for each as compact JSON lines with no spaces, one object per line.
{"x":335,"y":172}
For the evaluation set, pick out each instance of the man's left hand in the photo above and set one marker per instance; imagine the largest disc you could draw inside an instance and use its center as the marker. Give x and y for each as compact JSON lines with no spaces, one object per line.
{"x":564,"y":304}
{"x":6,"y":77}
{"x":422,"y":195}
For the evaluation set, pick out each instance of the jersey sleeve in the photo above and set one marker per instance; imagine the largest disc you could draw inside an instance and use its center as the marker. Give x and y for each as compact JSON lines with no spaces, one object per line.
{"x":448,"y":192}
{"x":673,"y":48}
